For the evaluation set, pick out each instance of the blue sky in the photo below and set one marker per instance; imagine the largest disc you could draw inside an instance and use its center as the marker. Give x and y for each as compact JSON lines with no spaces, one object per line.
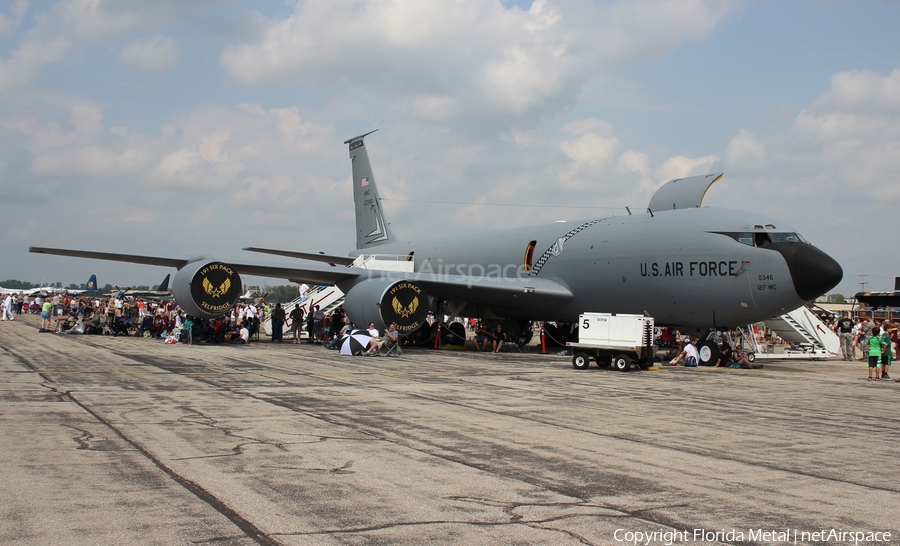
{"x":192,"y":127}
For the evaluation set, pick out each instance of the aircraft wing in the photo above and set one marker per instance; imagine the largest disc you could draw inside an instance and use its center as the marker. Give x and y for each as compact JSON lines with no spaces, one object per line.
{"x":327,"y":258}
{"x":312,"y":273}
{"x":321,"y":274}
{"x":146,"y":260}
{"x":502,"y":293}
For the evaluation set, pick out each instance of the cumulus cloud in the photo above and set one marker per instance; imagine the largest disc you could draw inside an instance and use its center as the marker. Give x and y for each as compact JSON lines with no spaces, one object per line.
{"x":848,"y":138}
{"x":99,"y":20}
{"x":681,"y":166}
{"x":745,"y":150}
{"x":11,"y":20}
{"x":830,"y":172}
{"x":862,"y":91}
{"x":225,"y":174}
{"x":87,"y":118}
{"x":153,"y":54}
{"x":39,"y":47}
{"x":473,"y":59}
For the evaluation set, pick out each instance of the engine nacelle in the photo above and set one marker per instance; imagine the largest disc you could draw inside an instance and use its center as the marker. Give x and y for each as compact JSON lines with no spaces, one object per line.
{"x":206,"y":289}
{"x":384,"y":301}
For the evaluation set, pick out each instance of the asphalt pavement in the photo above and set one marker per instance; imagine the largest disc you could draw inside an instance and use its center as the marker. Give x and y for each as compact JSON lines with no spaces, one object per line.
{"x":131,"y":441}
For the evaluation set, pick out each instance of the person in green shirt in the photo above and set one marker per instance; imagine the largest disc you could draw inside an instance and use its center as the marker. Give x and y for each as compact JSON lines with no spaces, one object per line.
{"x":45,"y":315}
{"x":876,"y":345}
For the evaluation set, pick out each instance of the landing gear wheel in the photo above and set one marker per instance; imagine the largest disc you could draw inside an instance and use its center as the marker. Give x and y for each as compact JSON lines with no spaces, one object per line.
{"x":709,"y":353}
{"x":423,"y":336}
{"x":751,"y":357}
{"x":457,"y":334}
{"x":581,"y":361}
{"x":622,"y":362}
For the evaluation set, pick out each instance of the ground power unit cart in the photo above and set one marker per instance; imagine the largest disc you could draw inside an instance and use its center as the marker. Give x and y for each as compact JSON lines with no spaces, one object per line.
{"x":613,"y":340}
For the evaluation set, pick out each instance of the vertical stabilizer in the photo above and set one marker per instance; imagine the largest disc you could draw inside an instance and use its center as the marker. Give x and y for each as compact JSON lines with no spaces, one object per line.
{"x":164,"y":286}
{"x":371,"y":227}
{"x":91,"y":283}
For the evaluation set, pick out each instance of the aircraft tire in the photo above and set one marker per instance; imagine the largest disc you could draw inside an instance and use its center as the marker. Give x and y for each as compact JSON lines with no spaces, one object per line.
{"x":581,"y":361}
{"x":423,"y":336}
{"x":751,"y":357}
{"x":709,"y":353}
{"x":622,"y":362}
{"x":456,"y":335}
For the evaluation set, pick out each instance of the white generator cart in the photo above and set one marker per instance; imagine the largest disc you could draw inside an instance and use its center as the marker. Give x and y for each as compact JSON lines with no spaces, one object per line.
{"x":613,"y":340}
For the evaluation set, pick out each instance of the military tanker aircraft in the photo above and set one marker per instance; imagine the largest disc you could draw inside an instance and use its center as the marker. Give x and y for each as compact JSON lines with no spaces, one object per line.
{"x":686,"y":265}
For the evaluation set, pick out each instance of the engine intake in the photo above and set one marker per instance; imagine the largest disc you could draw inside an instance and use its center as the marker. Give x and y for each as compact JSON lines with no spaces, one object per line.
{"x":384,"y":301}
{"x":206,"y":289}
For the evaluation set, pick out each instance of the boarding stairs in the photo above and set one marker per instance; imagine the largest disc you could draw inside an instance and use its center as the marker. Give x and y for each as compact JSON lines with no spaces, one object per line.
{"x":329,"y":298}
{"x":802,"y":327}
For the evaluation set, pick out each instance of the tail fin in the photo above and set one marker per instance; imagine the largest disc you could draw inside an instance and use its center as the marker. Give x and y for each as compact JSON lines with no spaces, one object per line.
{"x":91,"y":283}
{"x":371,"y":228}
{"x":164,"y":286}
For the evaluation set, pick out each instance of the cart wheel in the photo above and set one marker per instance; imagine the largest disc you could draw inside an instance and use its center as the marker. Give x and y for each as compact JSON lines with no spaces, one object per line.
{"x":751,"y":357}
{"x":581,"y":361}
{"x":622,"y":362}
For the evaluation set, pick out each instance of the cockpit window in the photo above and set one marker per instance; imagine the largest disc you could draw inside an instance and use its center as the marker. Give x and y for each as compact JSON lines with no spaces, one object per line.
{"x":786,"y":238}
{"x":743,"y":237}
{"x":762,"y":238}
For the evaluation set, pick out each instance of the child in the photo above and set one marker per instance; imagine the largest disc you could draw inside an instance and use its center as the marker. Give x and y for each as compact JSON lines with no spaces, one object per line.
{"x":876,"y":345}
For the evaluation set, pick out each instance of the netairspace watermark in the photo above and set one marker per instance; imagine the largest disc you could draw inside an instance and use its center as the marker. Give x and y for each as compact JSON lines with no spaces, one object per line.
{"x":667,"y":537}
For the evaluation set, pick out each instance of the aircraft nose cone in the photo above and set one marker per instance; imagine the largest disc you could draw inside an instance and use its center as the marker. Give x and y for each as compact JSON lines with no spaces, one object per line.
{"x":813,"y":272}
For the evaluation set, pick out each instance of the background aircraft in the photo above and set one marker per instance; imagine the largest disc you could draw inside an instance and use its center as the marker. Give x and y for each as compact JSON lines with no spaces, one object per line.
{"x":686,"y":265}
{"x":89,"y":286}
{"x":162,"y":292}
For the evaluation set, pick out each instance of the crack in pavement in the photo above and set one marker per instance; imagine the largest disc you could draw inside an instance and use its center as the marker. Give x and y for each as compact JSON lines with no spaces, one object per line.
{"x":212,"y":423}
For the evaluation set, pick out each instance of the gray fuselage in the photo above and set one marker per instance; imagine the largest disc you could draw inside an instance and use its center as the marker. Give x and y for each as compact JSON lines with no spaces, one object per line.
{"x":685,"y":267}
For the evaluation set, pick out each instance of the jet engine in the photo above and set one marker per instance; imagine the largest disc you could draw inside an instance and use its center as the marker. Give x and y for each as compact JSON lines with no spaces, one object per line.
{"x":206,"y":289}
{"x":384,"y":301}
